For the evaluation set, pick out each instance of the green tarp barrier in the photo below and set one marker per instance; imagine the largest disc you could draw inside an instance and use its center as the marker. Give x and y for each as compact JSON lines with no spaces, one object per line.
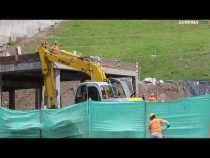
{"x":189,"y":118}
{"x":19,"y":124}
{"x":117,"y":120}
{"x":68,"y":122}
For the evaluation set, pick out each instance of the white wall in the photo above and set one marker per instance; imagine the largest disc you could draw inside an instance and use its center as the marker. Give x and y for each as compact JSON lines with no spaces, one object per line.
{"x":20,"y":28}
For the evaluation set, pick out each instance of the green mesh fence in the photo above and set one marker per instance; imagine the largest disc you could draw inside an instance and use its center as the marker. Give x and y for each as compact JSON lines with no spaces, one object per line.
{"x":19,"y":124}
{"x":117,"y":120}
{"x":189,"y":118}
{"x":71,"y":121}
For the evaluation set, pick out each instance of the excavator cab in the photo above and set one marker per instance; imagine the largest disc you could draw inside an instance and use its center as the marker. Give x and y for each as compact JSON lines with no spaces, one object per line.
{"x":99,"y":91}
{"x":96,"y":91}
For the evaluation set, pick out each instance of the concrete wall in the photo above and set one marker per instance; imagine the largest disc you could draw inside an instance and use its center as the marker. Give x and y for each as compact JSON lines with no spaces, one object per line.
{"x":21,"y":28}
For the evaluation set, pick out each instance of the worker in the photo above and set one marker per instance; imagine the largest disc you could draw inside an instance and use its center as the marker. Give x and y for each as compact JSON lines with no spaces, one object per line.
{"x":155,"y":126}
{"x":152,"y":98}
{"x":55,"y":48}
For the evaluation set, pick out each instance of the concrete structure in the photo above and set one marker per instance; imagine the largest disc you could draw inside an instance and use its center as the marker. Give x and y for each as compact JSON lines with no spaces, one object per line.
{"x":12,"y":29}
{"x":24,"y":72}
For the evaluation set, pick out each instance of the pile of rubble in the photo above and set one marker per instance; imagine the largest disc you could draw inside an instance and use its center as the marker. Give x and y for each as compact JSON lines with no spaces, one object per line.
{"x":163,"y":90}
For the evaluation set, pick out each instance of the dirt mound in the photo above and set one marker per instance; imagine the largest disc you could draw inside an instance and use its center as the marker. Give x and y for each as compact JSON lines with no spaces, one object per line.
{"x":162,"y":91}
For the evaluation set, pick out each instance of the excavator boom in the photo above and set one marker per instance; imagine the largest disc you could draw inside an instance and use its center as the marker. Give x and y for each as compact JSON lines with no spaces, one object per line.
{"x":48,"y":58}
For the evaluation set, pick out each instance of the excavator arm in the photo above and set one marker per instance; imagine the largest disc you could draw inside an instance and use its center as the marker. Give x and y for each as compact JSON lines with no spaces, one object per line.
{"x":48,"y":58}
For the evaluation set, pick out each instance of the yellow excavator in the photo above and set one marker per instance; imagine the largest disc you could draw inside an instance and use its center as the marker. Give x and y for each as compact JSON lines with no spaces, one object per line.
{"x":98,"y":89}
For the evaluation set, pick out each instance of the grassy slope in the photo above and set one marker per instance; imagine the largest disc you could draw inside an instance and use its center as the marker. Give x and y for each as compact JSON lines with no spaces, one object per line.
{"x":183,"y":51}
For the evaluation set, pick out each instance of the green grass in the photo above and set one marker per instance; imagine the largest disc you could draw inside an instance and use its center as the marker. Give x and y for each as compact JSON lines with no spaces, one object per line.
{"x":182,"y":51}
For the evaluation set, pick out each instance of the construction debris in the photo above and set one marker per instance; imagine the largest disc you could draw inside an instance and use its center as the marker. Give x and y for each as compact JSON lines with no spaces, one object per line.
{"x":170,"y":90}
{"x":150,"y":80}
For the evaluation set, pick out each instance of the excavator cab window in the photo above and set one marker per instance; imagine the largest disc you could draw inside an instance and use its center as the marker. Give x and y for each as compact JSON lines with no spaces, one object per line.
{"x":81,"y":95}
{"x":93,"y":94}
{"x":107,"y":92}
{"x":118,"y":90}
